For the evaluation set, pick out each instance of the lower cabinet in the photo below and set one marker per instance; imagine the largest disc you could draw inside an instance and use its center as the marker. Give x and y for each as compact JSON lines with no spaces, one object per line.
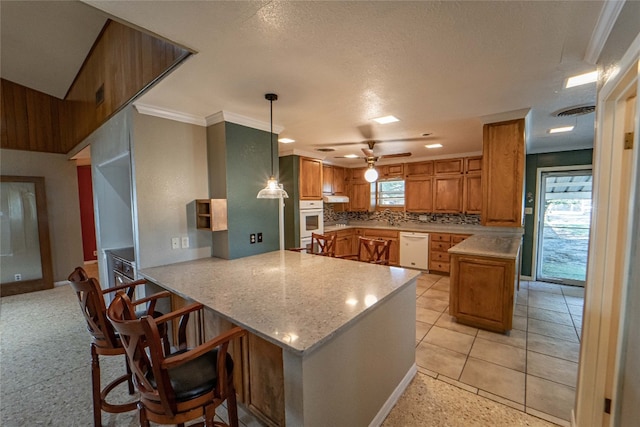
{"x":394,"y":248}
{"x":482,"y":291}
{"x":439,"y":259}
{"x":258,"y":367}
{"x":344,"y":241}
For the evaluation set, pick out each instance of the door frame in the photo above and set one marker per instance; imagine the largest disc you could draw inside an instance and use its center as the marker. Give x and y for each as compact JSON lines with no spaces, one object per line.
{"x":539,"y":194}
{"x":46,"y":281}
{"x":600,"y":348}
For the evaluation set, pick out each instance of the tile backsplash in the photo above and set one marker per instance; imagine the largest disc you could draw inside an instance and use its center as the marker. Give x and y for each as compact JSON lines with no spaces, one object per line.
{"x":331,"y":216}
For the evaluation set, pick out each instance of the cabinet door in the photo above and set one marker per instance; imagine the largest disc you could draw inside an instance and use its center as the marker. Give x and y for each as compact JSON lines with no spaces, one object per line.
{"x":339,"y":185}
{"x":448,"y":194}
{"x":418,"y":169}
{"x":503,"y":161}
{"x":265,"y":380}
{"x":473,"y":164}
{"x":310,"y":179}
{"x":418,"y":194}
{"x":448,"y":166}
{"x":357,"y":174}
{"x":327,"y":179}
{"x":360,"y":199}
{"x":344,"y":242}
{"x":392,"y":171}
{"x":473,"y":194}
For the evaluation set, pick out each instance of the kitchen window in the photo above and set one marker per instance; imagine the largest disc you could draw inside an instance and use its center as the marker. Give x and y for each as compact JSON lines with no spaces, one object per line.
{"x":391,"y":193}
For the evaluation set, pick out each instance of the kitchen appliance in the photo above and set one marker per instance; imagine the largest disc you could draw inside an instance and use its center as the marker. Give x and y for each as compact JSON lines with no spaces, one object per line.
{"x":335,"y":199}
{"x":121,"y":263}
{"x":414,"y":250}
{"x":311,"y":220}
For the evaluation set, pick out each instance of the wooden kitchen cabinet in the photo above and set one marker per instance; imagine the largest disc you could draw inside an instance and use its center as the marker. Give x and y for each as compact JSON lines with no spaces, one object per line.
{"x":473,"y":164}
{"x":339,"y":181}
{"x":418,"y":194}
{"x":327,"y":179}
{"x":438,"y":252}
{"x":310,"y":179}
{"x":472,"y":203}
{"x":418,"y":169}
{"x":344,"y":241}
{"x":503,"y":162}
{"x":394,"y":247}
{"x":482,"y":291}
{"x":211,"y":214}
{"x":360,"y":196}
{"x":391,"y":171}
{"x":448,"y":166}
{"x":448,"y":192}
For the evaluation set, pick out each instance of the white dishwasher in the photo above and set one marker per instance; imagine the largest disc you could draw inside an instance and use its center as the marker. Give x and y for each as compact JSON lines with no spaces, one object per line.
{"x":414,"y":250}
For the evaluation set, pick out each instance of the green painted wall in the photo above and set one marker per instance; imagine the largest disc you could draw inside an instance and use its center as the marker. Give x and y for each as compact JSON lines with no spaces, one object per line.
{"x":239,"y":166}
{"x":535,"y":161}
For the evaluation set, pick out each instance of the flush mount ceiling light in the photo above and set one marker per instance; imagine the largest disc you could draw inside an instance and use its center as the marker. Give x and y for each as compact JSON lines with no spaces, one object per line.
{"x":561,"y":129}
{"x":386,"y":119}
{"x":352,"y":156}
{"x":286,"y":140}
{"x":433,"y":145}
{"x":582,"y":79}
{"x":273,"y":190}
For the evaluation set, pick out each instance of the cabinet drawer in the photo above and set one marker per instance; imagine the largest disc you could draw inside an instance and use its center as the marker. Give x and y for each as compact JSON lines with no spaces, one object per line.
{"x":440,"y":246}
{"x":439,"y":266}
{"x":381,"y":234}
{"x":457,"y":238}
{"x":439,"y":256}
{"x":440,"y":237}
{"x":344,"y":233}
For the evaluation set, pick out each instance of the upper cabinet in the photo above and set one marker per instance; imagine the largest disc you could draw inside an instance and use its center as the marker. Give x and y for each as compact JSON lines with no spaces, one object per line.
{"x":333,"y":180}
{"x":310,"y":179}
{"x":472,"y":191}
{"x":391,"y":171}
{"x":417,"y":169}
{"x":449,"y":166}
{"x":503,"y":173}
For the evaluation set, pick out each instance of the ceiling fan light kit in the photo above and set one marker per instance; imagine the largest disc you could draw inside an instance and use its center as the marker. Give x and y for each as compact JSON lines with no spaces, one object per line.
{"x":371,"y":174}
{"x":273,"y":190}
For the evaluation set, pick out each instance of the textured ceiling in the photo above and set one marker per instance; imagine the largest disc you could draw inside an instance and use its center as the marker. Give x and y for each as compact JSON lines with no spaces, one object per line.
{"x":440,"y":67}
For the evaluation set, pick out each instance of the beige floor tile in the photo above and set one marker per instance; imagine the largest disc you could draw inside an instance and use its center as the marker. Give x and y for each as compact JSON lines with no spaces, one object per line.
{"x":520,"y":310}
{"x":458,"y":384}
{"x":432,"y":304}
{"x":440,"y":360}
{"x":449,"y":322}
{"x":429,"y":278}
{"x":555,"y":420}
{"x":575,"y":309}
{"x":421,"y":330}
{"x":545,"y":287}
{"x":552,"y":368}
{"x":550,"y":397}
{"x":520,"y":323}
{"x":550,"y":316}
{"x":441,"y":285}
{"x":547,"y":301}
{"x":436,"y":294}
{"x":555,"y":347}
{"x":574,"y":291}
{"x":501,"y":354}
{"x":450,"y":339}
{"x":514,"y":405}
{"x":427,"y":316}
{"x":514,"y":337}
{"x":571,"y":300}
{"x":553,"y":330}
{"x":495,"y":379}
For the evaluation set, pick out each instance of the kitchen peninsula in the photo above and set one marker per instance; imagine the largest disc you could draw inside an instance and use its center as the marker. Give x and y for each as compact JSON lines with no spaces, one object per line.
{"x":345,"y":330}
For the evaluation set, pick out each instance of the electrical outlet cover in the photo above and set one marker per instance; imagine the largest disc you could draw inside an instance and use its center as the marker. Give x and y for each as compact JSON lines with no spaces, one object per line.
{"x":175,"y":243}
{"x":185,"y":242}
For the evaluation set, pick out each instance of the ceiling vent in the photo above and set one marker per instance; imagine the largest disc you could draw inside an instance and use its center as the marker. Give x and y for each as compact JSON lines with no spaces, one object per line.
{"x":575,"y":111}
{"x":326,"y":150}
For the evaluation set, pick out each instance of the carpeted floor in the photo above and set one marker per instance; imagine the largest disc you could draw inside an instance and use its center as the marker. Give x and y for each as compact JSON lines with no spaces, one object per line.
{"x":45,"y":376}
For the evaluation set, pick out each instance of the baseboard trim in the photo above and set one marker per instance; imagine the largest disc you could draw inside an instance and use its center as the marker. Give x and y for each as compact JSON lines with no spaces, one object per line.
{"x":393,"y":399}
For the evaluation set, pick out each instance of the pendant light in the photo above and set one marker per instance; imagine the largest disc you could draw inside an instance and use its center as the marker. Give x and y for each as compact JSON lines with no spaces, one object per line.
{"x":371,"y":174}
{"x":273,"y":190}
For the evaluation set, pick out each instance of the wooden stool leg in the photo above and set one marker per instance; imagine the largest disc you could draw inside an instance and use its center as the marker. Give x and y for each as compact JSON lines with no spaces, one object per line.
{"x":95,"y":385}
{"x":209,"y":415}
{"x":142,"y":416}
{"x":232,"y":406}
{"x":129,"y":373}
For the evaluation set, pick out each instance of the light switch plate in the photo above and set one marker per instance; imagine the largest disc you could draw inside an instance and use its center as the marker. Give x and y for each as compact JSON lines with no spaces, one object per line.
{"x":185,"y":242}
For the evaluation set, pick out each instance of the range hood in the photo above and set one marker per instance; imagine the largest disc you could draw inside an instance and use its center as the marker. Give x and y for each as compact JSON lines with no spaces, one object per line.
{"x":336,"y":199}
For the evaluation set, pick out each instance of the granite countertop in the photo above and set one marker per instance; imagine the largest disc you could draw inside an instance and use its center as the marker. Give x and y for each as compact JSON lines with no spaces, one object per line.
{"x":294,"y":300}
{"x":496,"y":246}
{"x":428,"y":228}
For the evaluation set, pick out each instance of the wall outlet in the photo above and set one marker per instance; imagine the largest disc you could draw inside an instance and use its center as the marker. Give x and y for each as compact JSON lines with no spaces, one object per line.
{"x":175,"y":243}
{"x":252,"y":238}
{"x":185,"y":242}
{"x":259,"y":237}
{"x":17,"y":277}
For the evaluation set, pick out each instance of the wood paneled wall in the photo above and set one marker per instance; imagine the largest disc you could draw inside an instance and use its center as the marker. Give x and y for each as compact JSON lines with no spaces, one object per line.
{"x":123,"y":61}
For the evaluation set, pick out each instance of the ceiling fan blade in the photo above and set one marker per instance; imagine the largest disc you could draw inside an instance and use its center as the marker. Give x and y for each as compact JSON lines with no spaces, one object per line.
{"x":419,"y":138}
{"x":391,"y":156}
{"x":368,"y":152}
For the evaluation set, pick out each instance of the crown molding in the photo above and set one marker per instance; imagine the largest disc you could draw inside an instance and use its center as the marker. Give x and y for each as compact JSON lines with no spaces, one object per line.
{"x":602,"y":30}
{"x":226,"y":116}
{"x":165,"y":113}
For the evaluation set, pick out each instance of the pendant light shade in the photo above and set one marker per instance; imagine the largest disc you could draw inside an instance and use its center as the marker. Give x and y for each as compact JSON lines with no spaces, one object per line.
{"x":371,"y":174}
{"x":273,"y":190}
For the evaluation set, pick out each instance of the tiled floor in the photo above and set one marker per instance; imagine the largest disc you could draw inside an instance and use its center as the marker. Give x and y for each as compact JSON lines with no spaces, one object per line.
{"x":532,"y":368}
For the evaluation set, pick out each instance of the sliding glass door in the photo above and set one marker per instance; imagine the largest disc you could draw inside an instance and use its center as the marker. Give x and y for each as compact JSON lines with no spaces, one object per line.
{"x":563,"y":226}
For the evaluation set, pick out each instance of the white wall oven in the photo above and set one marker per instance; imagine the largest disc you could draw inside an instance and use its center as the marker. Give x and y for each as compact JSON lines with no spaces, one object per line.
{"x":311,"y":220}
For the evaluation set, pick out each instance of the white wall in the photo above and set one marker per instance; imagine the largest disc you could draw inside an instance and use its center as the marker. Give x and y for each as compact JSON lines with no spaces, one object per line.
{"x":170,"y":172}
{"x":63,"y":206}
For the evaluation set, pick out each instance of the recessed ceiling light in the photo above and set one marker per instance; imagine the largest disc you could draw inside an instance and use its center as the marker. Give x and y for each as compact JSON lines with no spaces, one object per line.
{"x":286,"y":140}
{"x":582,"y":79}
{"x":433,"y":145}
{"x":352,"y":156}
{"x":386,"y":119}
{"x":561,"y":129}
